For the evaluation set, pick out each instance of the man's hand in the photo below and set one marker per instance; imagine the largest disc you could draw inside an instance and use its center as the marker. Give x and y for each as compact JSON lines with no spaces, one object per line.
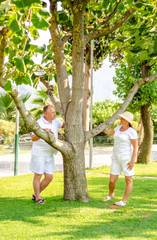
{"x":47,"y":129}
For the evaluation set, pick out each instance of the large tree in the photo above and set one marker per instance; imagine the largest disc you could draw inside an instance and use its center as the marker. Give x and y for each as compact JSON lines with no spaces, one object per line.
{"x":18,"y":19}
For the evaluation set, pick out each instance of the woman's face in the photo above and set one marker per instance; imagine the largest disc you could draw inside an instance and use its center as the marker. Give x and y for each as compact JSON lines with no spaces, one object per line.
{"x":124,"y":122}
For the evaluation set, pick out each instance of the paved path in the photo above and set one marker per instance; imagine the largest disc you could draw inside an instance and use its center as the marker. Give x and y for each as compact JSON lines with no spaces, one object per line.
{"x":101,"y":157}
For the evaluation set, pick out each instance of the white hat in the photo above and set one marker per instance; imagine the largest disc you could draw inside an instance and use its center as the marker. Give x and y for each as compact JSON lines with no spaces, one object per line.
{"x":127,"y":116}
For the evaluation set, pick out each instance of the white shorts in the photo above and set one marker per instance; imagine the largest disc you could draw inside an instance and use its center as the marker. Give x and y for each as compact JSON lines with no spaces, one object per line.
{"x":42,"y":163}
{"x":120,"y":165}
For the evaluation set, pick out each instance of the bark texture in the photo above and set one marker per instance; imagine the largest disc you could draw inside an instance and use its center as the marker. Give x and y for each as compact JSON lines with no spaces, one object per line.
{"x":75,"y":184}
{"x":86,"y":97}
{"x":146,"y":145}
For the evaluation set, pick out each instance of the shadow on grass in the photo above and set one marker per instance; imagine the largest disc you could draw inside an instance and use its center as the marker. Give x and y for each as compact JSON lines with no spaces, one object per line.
{"x":140,"y":216}
{"x":77,"y":220}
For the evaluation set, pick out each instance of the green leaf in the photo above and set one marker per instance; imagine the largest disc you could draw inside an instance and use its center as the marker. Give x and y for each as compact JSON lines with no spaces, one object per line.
{"x":8,"y":86}
{"x":24,"y":3}
{"x":139,"y":5}
{"x":12,"y":54}
{"x":39,"y":22}
{"x":63,"y":17}
{"x":41,"y":49}
{"x":152,"y":62}
{"x":27,"y":79}
{"x":121,"y":6}
{"x":18,"y":80}
{"x":34,"y":32}
{"x":16,"y":40}
{"x":46,"y":76}
{"x":44,"y":13}
{"x":105,"y":3}
{"x":144,"y":56}
{"x":19,"y":62}
{"x":14,"y":26}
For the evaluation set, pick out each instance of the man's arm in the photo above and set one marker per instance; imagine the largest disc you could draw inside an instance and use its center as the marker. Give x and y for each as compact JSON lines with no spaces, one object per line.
{"x":35,"y":138}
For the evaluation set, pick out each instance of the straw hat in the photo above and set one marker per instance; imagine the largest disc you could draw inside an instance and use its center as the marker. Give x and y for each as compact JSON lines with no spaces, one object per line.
{"x":127,"y":116}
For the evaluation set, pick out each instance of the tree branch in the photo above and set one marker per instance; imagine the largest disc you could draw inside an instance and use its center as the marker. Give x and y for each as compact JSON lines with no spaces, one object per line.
{"x":66,"y":37}
{"x":61,"y":69}
{"x":103,"y":21}
{"x":70,"y":3}
{"x":64,"y":147}
{"x":122,"y":108}
{"x":3,"y":42}
{"x":108,"y":30}
{"x":50,"y":92}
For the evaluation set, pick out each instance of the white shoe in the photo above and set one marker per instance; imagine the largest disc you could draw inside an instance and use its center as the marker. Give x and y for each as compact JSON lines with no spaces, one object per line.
{"x":108,"y":198}
{"x":120,"y":203}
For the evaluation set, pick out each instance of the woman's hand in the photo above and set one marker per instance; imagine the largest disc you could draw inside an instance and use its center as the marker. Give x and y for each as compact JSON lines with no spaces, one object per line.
{"x":130,"y":165}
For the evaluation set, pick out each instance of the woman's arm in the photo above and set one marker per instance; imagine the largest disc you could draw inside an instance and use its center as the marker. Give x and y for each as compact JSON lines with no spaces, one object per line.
{"x":134,"y":143}
{"x":109,"y":131}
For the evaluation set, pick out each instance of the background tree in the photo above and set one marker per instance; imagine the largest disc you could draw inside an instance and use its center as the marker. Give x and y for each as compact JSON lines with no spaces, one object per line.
{"x":137,"y":48}
{"x":18,"y":20}
{"x":142,"y":101}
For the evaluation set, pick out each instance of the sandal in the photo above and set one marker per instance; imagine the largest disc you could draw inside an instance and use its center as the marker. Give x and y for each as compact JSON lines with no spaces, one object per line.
{"x":120,"y":204}
{"x":108,"y":198}
{"x":33,"y":198}
{"x":40,"y":201}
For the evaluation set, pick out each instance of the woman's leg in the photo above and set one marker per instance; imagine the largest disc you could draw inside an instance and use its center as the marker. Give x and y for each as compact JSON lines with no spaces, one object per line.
{"x":112,"y":184}
{"x":128,"y":188}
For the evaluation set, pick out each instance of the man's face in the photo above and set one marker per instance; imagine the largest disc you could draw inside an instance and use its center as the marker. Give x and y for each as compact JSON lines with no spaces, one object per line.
{"x":50,"y":113}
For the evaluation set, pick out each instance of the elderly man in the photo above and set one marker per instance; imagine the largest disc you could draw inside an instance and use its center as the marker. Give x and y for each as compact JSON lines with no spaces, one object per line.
{"x":42,"y":159}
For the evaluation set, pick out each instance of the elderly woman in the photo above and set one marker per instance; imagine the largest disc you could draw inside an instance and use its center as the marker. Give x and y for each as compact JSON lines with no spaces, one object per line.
{"x":124,"y":156}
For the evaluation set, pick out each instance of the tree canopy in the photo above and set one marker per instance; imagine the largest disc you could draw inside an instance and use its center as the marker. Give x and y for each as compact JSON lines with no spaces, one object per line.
{"x":71,"y":28}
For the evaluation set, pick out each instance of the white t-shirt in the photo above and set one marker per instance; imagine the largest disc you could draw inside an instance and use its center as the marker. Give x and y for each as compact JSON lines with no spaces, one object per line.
{"x":40,"y":145}
{"x":122,"y":143}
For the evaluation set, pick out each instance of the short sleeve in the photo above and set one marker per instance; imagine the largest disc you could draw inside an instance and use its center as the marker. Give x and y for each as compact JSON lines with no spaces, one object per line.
{"x":59,"y":123}
{"x":117,"y":128}
{"x":133,"y":134}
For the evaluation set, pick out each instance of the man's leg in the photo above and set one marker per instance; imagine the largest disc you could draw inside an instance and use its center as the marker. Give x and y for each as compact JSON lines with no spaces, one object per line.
{"x":46,"y":181}
{"x":36,"y":185}
{"x":128,"y":188}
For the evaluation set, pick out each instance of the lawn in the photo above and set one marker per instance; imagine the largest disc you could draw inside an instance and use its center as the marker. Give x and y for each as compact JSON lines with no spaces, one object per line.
{"x":21,"y":218}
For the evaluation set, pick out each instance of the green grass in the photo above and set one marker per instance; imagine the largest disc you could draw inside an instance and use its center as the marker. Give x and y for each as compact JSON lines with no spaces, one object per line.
{"x":21,"y":218}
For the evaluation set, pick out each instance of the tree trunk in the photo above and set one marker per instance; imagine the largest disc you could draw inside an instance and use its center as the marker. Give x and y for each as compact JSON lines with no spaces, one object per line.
{"x":140,"y":133}
{"x":146,"y":145}
{"x":86,"y":97}
{"x":75,"y":184}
